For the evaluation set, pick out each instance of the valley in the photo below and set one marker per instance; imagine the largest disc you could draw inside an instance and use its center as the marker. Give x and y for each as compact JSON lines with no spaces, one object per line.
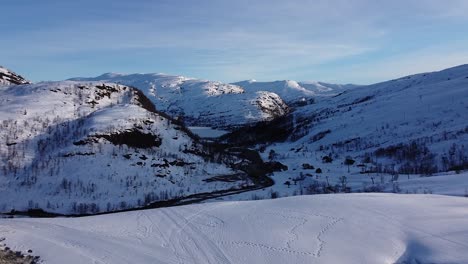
{"x":159,"y":168}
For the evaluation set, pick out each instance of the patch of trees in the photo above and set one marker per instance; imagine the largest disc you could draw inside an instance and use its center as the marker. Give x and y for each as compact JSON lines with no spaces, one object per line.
{"x":349,"y":162}
{"x":415,"y":158}
{"x":142,"y":100}
{"x":276,"y":166}
{"x":317,"y":187}
{"x":105,"y":90}
{"x":357,"y":101}
{"x":455,"y":159}
{"x":327,"y":159}
{"x":277,"y":130}
{"x":133,"y":138}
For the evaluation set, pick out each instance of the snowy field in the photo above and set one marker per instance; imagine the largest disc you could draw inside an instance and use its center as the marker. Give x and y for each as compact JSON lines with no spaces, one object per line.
{"x":347,"y":228}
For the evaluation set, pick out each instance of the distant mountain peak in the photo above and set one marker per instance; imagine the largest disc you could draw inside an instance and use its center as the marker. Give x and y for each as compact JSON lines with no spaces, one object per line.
{"x":110,"y":75}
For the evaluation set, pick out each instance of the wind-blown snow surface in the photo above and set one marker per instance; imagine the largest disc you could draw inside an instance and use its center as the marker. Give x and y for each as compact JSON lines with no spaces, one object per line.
{"x":200,"y":102}
{"x":85,"y":147}
{"x":348,"y":228}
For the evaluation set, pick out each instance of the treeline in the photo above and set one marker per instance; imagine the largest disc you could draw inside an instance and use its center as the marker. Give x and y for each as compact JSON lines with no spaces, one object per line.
{"x":416,"y":158}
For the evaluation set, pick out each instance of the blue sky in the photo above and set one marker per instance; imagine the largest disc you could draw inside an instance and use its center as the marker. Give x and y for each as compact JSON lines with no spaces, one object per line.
{"x":352,"y":41}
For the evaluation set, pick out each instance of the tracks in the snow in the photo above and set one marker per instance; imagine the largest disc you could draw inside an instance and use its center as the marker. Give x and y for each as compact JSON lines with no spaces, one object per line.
{"x":191,"y":244}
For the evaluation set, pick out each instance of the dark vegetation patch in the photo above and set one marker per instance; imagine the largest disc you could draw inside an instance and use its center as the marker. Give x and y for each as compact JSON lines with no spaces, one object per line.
{"x":344,"y":143}
{"x":327,"y":159}
{"x":277,"y":130}
{"x":320,"y":135}
{"x":414,"y":157}
{"x":105,"y":90}
{"x":132,"y":138}
{"x":179,"y":163}
{"x":146,"y":103}
{"x":276,"y":166}
{"x":357,"y":101}
{"x":8,"y":256}
{"x":143,"y":101}
{"x":78,"y":154}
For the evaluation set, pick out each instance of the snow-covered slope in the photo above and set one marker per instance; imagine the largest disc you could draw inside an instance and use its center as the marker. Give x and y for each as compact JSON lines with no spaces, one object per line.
{"x":87,"y":147}
{"x":200,"y":102}
{"x":8,"y":77}
{"x":348,"y":228}
{"x":416,"y":125}
{"x":425,"y":110}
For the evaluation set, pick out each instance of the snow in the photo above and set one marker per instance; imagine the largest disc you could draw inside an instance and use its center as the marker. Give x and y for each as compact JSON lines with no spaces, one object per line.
{"x":49,"y":130}
{"x":292,"y":91}
{"x":348,"y":228}
{"x":201,"y":102}
{"x":207,"y":132}
{"x":216,"y":104}
{"x":447,"y":184}
{"x":8,"y":78}
{"x":43,"y":127}
{"x":424,"y":108}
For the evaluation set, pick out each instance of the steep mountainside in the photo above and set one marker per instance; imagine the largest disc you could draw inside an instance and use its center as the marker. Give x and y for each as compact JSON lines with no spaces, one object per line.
{"x":200,"y":102}
{"x":88,"y":147}
{"x":8,"y":77}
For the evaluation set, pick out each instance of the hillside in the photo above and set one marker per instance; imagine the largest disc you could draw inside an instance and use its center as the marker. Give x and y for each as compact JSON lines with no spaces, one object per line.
{"x":89,"y":147}
{"x":388,"y":132}
{"x":379,"y":137}
{"x":8,"y":77}
{"x":200,"y":102}
{"x":348,"y":228}
{"x":384,"y":120}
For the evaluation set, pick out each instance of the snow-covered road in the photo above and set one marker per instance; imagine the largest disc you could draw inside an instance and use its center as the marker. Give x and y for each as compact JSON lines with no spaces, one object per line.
{"x":348,"y":228}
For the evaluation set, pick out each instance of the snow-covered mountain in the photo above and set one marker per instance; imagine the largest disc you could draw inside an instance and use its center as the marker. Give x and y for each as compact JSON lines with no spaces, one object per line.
{"x":348,"y":228}
{"x":293,"y":92}
{"x":88,"y":147}
{"x":8,"y":77}
{"x":201,"y":102}
{"x":415,"y":125}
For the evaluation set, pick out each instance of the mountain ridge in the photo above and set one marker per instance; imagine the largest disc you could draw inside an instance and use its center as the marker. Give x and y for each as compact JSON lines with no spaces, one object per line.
{"x":8,"y":77}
